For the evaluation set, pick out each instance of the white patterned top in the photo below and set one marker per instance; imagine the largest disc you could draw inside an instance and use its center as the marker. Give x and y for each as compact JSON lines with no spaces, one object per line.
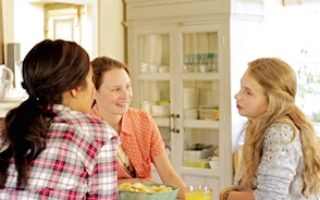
{"x":279,"y":175}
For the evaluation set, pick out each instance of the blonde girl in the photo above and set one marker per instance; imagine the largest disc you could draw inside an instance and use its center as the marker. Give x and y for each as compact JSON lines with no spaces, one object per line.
{"x":281,"y":155}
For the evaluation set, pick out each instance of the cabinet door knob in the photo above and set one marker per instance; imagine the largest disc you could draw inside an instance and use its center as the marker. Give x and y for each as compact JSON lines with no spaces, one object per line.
{"x":174,"y":130}
{"x":175,"y":116}
{"x":174,"y":123}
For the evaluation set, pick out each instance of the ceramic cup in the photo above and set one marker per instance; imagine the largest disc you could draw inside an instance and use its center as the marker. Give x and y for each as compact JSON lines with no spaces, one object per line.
{"x":153,"y":68}
{"x":144,"y":67}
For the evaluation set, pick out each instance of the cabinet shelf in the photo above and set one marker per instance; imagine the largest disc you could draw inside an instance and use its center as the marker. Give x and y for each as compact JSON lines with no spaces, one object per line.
{"x":201,"y":124}
{"x":155,"y":76}
{"x":201,"y":76}
{"x":205,"y":124}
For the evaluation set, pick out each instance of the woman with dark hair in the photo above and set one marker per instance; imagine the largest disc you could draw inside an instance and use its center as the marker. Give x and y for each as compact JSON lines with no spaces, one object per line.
{"x":141,"y":141}
{"x":51,"y":148}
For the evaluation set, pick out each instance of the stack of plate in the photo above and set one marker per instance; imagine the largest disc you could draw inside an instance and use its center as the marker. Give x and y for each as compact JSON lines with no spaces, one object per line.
{"x":191,"y":113}
{"x":208,"y":113}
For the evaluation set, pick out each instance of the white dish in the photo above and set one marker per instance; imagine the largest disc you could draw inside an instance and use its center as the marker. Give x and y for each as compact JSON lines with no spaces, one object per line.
{"x":214,"y":163}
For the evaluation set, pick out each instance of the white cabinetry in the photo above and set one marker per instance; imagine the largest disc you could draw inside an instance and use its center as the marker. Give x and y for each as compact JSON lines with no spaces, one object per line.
{"x":179,"y":58}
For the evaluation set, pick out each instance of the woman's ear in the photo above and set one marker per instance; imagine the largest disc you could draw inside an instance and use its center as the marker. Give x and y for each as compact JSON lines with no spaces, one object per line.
{"x":73,"y":92}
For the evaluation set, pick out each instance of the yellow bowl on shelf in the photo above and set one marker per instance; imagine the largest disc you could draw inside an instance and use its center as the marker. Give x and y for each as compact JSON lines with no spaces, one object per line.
{"x":197,"y":163}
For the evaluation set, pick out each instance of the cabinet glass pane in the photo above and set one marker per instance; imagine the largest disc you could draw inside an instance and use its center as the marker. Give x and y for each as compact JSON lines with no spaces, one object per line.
{"x":200,"y":146}
{"x":154,"y":53}
{"x":155,"y":98}
{"x":200,"y":52}
{"x":166,"y":136}
{"x":201,"y":100}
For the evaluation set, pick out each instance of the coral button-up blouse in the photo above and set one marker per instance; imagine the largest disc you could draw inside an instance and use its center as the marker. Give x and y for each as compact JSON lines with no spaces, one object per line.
{"x":141,"y":141}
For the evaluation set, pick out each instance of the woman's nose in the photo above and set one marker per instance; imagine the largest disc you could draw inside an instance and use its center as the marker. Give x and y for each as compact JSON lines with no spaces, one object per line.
{"x":237,"y":96}
{"x":124,"y":93}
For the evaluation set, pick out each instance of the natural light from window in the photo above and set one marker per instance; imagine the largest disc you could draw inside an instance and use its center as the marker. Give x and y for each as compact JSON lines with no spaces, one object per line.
{"x":296,"y":36}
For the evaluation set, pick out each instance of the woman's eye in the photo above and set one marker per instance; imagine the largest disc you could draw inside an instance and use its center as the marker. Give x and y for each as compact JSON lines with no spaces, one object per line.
{"x":248,"y":92}
{"x":115,"y":89}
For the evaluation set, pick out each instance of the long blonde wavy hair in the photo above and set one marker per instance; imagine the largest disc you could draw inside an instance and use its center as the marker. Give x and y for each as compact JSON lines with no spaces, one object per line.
{"x":280,"y":86}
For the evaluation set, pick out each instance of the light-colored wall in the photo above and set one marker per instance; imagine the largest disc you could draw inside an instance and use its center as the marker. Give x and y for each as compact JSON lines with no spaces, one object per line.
{"x":111,"y":29}
{"x":103,"y":30}
{"x":246,"y":44}
{"x":21,"y":24}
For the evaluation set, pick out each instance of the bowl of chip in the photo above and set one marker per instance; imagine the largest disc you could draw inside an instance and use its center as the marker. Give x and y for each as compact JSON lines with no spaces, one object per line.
{"x":150,"y":191}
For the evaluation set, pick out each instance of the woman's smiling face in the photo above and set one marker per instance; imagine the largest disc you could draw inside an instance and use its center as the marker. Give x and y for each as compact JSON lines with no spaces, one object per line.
{"x":115,"y":93}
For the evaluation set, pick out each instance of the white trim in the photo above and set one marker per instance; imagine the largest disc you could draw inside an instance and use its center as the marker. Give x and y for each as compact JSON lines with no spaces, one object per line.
{"x":78,"y":2}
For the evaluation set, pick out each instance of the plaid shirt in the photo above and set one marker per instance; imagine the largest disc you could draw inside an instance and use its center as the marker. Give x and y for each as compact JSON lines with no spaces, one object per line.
{"x":79,"y":162}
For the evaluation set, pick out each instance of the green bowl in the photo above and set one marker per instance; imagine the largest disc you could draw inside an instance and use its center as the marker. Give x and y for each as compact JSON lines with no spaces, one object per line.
{"x":129,"y":195}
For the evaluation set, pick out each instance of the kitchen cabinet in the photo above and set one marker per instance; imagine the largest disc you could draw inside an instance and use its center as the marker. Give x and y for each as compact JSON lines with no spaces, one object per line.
{"x":179,"y":58}
{"x":184,"y":95}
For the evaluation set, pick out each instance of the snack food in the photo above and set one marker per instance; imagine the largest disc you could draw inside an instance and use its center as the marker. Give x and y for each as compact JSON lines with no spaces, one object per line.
{"x":139,"y":191}
{"x":139,"y":187}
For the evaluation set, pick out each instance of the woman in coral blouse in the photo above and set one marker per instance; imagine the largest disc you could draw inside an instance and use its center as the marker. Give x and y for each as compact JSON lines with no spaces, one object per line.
{"x":141,"y":142}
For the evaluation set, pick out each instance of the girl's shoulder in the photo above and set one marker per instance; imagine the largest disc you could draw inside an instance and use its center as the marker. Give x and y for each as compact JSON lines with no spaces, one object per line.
{"x":281,"y":132}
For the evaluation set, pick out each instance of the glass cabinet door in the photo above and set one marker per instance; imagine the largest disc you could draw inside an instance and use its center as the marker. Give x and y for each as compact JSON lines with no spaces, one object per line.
{"x":180,"y":67}
{"x":201,"y":101}
{"x":178,"y":84}
{"x":154,"y":84}
{"x":153,"y":69}
{"x":201,"y":123}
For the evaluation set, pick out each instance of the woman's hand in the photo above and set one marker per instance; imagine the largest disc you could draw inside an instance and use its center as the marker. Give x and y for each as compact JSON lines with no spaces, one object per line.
{"x":224,"y":193}
{"x":230,"y":193}
{"x":168,"y":174}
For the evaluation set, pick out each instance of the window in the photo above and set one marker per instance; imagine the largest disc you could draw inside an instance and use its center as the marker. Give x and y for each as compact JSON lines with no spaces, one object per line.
{"x":63,"y":21}
{"x":295,"y":38}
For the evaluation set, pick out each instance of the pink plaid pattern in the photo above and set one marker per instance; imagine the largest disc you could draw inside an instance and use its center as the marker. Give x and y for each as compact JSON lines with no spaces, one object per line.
{"x":79,"y":162}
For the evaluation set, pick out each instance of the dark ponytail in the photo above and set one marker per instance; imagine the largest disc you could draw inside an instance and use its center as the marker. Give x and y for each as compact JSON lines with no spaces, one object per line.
{"x":29,"y":122}
{"x":49,"y":69}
